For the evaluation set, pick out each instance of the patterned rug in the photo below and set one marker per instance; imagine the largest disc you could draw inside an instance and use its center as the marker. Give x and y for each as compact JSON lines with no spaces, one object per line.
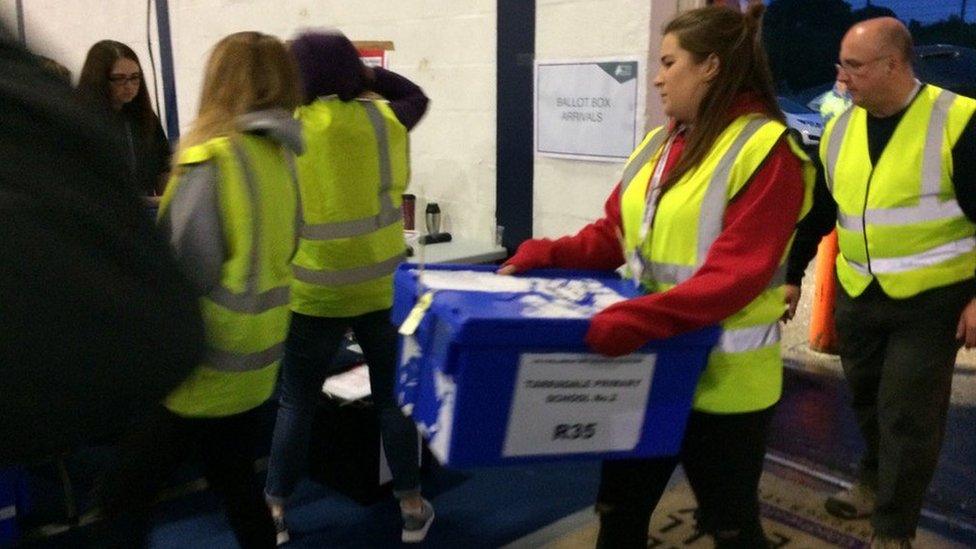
{"x":792,"y":511}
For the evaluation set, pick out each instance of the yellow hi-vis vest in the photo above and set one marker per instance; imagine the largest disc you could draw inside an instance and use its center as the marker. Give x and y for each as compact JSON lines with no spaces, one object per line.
{"x":352,"y":175}
{"x":744,"y":370}
{"x":246,"y":317}
{"x":899,"y":221}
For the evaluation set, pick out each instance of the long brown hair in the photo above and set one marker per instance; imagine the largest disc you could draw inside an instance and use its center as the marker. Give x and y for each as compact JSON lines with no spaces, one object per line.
{"x":736,"y":39}
{"x":95,"y":88}
{"x":246,"y":72}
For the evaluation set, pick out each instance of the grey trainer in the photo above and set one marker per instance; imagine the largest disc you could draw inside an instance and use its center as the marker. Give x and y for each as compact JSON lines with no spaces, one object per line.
{"x":415,"y":526}
{"x":853,"y":503}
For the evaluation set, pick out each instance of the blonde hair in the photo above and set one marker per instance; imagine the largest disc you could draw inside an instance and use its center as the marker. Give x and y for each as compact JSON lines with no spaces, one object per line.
{"x":246,"y":72}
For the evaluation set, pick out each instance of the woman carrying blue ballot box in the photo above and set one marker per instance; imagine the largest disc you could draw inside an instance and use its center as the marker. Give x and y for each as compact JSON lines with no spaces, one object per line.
{"x":701,"y":218}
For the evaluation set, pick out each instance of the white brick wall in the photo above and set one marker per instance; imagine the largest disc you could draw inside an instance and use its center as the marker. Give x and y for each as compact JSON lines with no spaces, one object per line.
{"x":446,"y":46}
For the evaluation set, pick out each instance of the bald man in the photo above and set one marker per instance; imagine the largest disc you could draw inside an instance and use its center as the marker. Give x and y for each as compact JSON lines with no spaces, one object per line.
{"x":900,"y":170}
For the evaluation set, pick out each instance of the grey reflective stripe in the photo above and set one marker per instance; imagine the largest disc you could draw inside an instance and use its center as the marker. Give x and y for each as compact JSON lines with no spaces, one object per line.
{"x":934,"y":139}
{"x":388,"y":214}
{"x":669,"y":273}
{"x":356,"y":227}
{"x":712,"y":212}
{"x":929,"y":208}
{"x":779,"y":277}
{"x":250,"y":303}
{"x":833,"y":146}
{"x":299,"y":214}
{"x":348,"y":276}
{"x":643,"y":157}
{"x":740,"y":340}
{"x":932,"y":256}
{"x":227,"y":361}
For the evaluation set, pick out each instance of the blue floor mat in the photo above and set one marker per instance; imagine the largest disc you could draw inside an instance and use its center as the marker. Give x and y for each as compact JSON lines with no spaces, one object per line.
{"x":475,"y":508}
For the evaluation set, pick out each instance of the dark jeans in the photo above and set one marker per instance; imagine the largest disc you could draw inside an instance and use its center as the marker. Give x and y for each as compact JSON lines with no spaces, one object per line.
{"x":723,"y":458}
{"x":311,"y":345}
{"x":156,"y":448}
{"x":898,"y":357}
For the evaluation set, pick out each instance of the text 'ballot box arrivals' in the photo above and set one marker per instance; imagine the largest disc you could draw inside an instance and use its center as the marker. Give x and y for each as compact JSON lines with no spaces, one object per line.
{"x":495,"y":369}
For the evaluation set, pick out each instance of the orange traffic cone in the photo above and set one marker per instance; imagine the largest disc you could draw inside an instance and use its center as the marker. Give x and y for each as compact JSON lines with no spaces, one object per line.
{"x":823,"y":335}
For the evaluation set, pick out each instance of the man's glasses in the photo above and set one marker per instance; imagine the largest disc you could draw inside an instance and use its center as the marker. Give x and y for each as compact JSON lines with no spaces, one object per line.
{"x":122,"y":79}
{"x":856,"y":67}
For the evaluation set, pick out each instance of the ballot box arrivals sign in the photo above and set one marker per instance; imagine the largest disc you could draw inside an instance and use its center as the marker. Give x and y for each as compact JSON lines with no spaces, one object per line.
{"x":587,"y":109}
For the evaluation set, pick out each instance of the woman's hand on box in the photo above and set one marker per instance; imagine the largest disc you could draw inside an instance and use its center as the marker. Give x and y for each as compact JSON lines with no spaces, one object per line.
{"x":613,"y":332}
{"x":532,"y":254}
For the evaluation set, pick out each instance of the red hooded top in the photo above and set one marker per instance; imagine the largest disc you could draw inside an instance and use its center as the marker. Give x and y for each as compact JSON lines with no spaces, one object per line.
{"x":740,"y":264}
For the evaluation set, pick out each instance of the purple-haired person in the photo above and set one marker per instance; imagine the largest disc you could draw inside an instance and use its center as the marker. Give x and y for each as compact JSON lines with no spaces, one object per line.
{"x":355,"y":168}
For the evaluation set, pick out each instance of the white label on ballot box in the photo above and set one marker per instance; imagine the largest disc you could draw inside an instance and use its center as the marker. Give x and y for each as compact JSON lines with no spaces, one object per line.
{"x":574,"y":403}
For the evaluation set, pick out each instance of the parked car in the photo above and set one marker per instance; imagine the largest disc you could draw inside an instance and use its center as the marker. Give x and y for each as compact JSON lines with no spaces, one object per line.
{"x":949,"y":67}
{"x":805,"y":124}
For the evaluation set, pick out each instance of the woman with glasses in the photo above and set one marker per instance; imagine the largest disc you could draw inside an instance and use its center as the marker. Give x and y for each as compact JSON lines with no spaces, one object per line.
{"x":112,"y":80}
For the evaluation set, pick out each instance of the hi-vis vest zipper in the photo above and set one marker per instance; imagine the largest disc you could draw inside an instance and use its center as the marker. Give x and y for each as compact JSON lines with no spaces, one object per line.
{"x":352,"y":176}
{"x":247,"y":316}
{"x":899,"y":221}
{"x":744,"y":370}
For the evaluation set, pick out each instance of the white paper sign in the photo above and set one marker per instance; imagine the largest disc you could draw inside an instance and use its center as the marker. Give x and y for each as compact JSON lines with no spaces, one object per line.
{"x":574,"y":403}
{"x":587,"y":109}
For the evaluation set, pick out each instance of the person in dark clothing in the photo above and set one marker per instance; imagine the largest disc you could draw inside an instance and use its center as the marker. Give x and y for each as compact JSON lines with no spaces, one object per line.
{"x":899,"y":174}
{"x":112,"y":79}
{"x":97,"y":323}
{"x":352,"y":176}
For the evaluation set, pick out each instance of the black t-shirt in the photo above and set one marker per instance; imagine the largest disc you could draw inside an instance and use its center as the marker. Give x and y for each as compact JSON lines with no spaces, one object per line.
{"x":146,"y":151}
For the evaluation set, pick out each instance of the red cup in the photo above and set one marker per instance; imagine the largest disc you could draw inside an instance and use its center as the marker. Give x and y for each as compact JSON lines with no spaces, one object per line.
{"x":409,"y":205}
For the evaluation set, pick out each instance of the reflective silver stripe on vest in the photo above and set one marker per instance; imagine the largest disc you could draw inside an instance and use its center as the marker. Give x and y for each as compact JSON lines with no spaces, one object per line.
{"x":299,"y":214}
{"x":929,"y":208}
{"x":712,"y":213}
{"x":934,"y":139}
{"x":740,"y":340}
{"x":250,"y":301}
{"x":833,"y":146}
{"x":348,"y":276}
{"x":930,"y":257}
{"x":387,"y":214}
{"x":227,"y":361}
{"x":643,"y":157}
{"x":669,"y":273}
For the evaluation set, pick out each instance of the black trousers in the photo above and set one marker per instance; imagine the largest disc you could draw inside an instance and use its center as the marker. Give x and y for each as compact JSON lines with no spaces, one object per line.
{"x":154,"y":450}
{"x":722,"y":456}
{"x":898,"y":357}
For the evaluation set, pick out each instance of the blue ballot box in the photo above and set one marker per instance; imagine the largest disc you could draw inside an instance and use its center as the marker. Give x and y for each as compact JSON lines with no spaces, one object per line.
{"x":494,"y":369}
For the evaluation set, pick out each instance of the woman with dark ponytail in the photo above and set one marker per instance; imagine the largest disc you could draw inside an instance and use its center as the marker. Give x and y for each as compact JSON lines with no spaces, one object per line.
{"x":706,"y":207}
